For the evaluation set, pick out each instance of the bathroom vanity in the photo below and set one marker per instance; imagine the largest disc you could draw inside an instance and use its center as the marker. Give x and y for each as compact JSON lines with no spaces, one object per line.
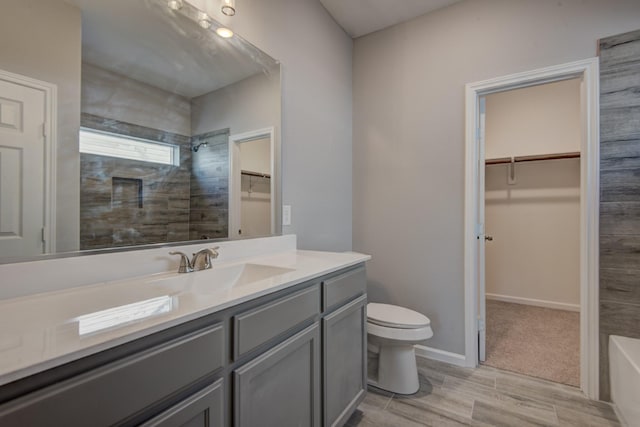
{"x":277,"y":344}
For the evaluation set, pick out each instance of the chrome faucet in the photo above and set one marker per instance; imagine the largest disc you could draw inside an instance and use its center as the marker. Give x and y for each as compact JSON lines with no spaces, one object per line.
{"x":188,"y":266}
{"x":185,"y":263}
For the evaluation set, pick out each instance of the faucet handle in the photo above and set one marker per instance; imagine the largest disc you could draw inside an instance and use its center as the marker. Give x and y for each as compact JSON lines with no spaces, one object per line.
{"x":185,"y":263}
{"x":208,"y":254}
{"x":214,"y":252}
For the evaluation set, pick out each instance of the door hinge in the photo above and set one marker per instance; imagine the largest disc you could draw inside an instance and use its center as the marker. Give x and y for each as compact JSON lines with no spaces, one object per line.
{"x":43,"y":235}
{"x":43,"y":127}
{"x":481,"y":325}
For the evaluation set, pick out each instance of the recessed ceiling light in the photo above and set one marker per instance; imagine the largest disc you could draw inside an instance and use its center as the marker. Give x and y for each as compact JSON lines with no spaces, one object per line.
{"x":175,"y":4}
{"x":224,"y":32}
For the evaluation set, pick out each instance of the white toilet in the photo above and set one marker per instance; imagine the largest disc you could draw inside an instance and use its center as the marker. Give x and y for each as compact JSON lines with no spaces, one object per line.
{"x":393,"y":331}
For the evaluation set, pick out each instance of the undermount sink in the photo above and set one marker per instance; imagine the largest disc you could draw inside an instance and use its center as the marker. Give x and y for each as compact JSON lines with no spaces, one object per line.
{"x":221,"y":278}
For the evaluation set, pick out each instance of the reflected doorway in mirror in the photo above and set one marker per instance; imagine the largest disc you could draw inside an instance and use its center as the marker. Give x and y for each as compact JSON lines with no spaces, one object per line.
{"x":251,"y":186}
{"x":27,"y":143}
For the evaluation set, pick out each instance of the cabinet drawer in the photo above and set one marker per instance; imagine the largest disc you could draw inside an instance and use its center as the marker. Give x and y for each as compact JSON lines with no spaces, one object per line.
{"x":203,"y":409}
{"x":342,"y":288}
{"x":259,"y":325}
{"x":120,"y":389}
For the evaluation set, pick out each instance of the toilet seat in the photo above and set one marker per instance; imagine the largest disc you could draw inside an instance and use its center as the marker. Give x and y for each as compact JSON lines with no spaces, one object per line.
{"x":403,"y":336}
{"x":392,"y":316}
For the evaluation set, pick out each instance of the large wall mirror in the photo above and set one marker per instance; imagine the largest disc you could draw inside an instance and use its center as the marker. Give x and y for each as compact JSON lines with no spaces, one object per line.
{"x":132,"y":122}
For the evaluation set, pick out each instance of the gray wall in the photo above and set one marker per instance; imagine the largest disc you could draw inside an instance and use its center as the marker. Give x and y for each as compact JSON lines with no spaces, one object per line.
{"x":620,"y":193}
{"x":114,"y":96}
{"x":316,"y":113}
{"x":49,"y":49}
{"x":250,"y":104}
{"x":408,"y":168}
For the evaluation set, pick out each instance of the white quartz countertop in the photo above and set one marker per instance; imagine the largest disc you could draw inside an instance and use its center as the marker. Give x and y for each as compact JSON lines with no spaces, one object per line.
{"x":45,"y":330}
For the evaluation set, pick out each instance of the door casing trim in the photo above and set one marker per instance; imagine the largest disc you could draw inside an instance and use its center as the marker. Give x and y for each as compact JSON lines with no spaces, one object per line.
{"x":588,"y":70}
{"x":234,"y":177}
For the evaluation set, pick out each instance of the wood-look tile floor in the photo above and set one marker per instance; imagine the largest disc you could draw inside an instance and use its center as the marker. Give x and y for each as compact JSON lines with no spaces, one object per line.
{"x":454,"y":396}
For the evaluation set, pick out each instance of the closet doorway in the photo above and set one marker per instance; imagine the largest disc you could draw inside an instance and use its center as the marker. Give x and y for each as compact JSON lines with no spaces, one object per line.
{"x":252,"y":204}
{"x":531,"y":244}
{"x":532,"y":225}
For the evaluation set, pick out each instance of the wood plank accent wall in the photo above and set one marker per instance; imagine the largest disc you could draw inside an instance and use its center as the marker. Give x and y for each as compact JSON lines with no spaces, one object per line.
{"x":619,"y":194}
{"x":163,"y":213}
{"x":209,"y":199}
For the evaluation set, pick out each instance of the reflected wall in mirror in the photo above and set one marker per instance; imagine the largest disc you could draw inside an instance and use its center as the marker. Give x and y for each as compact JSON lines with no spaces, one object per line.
{"x":127,"y":123}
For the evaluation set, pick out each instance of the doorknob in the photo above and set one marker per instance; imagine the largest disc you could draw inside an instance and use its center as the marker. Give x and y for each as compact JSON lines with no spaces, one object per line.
{"x":488,"y":238}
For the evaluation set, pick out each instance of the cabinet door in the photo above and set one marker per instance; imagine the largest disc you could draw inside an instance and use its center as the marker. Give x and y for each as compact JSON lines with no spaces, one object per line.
{"x":345,"y":361}
{"x":282,"y":386}
{"x":116,"y":391}
{"x":202,"y":409}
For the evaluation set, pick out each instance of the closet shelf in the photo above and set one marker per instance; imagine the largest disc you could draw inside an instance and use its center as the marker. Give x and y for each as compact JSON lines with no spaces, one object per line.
{"x":258,"y":174}
{"x":519,"y":159}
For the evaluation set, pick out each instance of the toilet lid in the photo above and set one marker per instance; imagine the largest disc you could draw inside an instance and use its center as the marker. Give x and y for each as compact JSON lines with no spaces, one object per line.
{"x":393,"y":316}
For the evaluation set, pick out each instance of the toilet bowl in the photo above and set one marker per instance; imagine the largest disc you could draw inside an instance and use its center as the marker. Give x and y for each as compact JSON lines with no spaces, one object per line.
{"x":393,"y":331}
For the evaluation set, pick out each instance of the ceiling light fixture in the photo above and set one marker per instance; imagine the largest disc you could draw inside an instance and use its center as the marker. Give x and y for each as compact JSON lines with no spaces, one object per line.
{"x":229,"y":7}
{"x":175,"y":4}
{"x":204,"y":21}
{"x":224,"y":32}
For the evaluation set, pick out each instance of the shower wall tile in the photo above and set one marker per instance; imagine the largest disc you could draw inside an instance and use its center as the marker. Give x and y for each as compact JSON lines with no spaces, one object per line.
{"x":619,"y":154}
{"x":619,"y":251}
{"x":209,"y":199}
{"x":619,"y":218}
{"x":619,"y":194}
{"x":620,"y":185}
{"x":617,"y":318}
{"x":620,"y":285}
{"x":620,"y":123}
{"x":618,"y":85}
{"x":605,"y":386}
{"x":620,"y":50}
{"x":164,"y":215}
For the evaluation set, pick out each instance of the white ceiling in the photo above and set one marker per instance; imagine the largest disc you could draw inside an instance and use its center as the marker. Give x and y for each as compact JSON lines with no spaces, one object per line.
{"x":360,"y":17}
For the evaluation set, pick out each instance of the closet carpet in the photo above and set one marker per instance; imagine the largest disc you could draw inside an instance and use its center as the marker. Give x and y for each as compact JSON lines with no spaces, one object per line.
{"x":535,"y":341}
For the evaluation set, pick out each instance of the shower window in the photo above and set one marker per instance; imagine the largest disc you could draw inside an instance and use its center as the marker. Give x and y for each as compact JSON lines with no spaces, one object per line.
{"x":126,"y":147}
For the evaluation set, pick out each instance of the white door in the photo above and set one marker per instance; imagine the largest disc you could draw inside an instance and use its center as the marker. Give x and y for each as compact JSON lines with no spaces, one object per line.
{"x":481,"y":236}
{"x":22,"y":157}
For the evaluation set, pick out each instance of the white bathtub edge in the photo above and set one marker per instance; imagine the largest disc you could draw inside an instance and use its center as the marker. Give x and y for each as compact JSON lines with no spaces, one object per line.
{"x":624,"y":377}
{"x":623,"y":422}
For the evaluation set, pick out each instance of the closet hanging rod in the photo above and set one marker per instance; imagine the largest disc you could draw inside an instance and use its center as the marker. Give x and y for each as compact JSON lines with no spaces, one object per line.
{"x":258,"y":174}
{"x":504,"y":160}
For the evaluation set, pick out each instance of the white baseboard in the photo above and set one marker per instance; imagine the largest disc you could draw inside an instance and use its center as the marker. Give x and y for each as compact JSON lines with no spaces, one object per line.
{"x":535,"y":302}
{"x":440,"y":355}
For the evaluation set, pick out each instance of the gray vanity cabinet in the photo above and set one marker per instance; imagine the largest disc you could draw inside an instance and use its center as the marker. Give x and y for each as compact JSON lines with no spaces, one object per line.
{"x":203,"y":409}
{"x":296,"y":357}
{"x":282,"y":386}
{"x":122,"y":391}
{"x":344,"y":356}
